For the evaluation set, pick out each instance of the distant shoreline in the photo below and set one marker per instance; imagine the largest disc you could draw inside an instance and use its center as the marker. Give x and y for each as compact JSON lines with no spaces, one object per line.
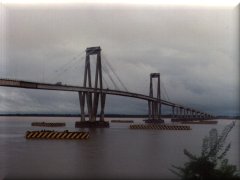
{"x":106,"y":115}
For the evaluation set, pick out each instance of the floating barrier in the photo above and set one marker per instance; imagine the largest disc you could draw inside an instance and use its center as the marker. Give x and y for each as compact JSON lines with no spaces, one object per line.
{"x":199,"y":122}
{"x":154,"y":121}
{"x":50,"y":124}
{"x":159,"y":127}
{"x":189,"y":119}
{"x":122,"y":121}
{"x":94,"y":124}
{"x":56,"y":135}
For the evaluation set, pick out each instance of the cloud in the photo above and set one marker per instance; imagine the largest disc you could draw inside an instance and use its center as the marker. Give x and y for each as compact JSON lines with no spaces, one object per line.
{"x":194,"y":49}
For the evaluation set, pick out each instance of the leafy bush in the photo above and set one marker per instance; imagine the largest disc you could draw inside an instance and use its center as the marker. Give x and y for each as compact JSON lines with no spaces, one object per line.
{"x":211,"y":164}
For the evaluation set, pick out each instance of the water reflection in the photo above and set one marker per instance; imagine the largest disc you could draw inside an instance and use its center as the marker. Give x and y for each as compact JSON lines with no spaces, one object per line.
{"x":115,"y":152}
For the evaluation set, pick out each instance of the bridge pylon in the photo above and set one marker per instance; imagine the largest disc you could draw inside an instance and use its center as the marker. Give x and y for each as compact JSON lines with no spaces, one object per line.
{"x":92,"y":98}
{"x":154,"y":107}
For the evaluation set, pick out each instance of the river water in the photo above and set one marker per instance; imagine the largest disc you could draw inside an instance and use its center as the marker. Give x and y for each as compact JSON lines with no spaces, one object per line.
{"x":110,"y":153}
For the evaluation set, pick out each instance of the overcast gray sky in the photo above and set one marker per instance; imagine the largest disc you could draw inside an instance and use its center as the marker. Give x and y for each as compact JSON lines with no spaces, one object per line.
{"x":194,"y":48}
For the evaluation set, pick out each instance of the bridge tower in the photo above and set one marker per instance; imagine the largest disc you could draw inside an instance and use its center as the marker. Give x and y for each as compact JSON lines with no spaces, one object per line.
{"x":92,"y":98}
{"x":154,"y":107}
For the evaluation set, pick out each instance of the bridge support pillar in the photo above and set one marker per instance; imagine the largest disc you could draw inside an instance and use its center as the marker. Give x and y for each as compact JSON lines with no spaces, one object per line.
{"x":177,"y":112}
{"x":102,"y":106}
{"x":173,"y":115}
{"x":185,"y":116}
{"x":192,"y":115}
{"x":181,"y":113}
{"x":205,"y":116}
{"x":81,"y":96}
{"x":154,"y":107}
{"x":92,"y":98}
{"x":198,"y":115}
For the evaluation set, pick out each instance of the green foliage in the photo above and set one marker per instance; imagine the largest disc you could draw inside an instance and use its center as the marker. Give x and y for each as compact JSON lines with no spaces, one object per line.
{"x":212,"y":163}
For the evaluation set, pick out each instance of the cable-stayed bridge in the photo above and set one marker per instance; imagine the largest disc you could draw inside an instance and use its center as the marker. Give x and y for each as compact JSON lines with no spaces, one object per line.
{"x":92,"y":95}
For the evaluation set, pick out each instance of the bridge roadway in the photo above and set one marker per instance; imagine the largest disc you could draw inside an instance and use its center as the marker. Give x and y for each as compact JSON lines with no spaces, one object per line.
{"x":47,"y":86}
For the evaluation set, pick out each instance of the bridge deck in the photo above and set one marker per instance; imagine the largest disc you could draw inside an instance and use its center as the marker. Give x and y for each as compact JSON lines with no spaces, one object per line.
{"x":47,"y":86}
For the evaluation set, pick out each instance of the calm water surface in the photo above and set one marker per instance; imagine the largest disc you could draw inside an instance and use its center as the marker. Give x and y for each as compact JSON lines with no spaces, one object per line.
{"x":115,"y":152}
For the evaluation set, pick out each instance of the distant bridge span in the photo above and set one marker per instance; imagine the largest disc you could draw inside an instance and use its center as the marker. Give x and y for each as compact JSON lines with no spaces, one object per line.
{"x":47,"y":86}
